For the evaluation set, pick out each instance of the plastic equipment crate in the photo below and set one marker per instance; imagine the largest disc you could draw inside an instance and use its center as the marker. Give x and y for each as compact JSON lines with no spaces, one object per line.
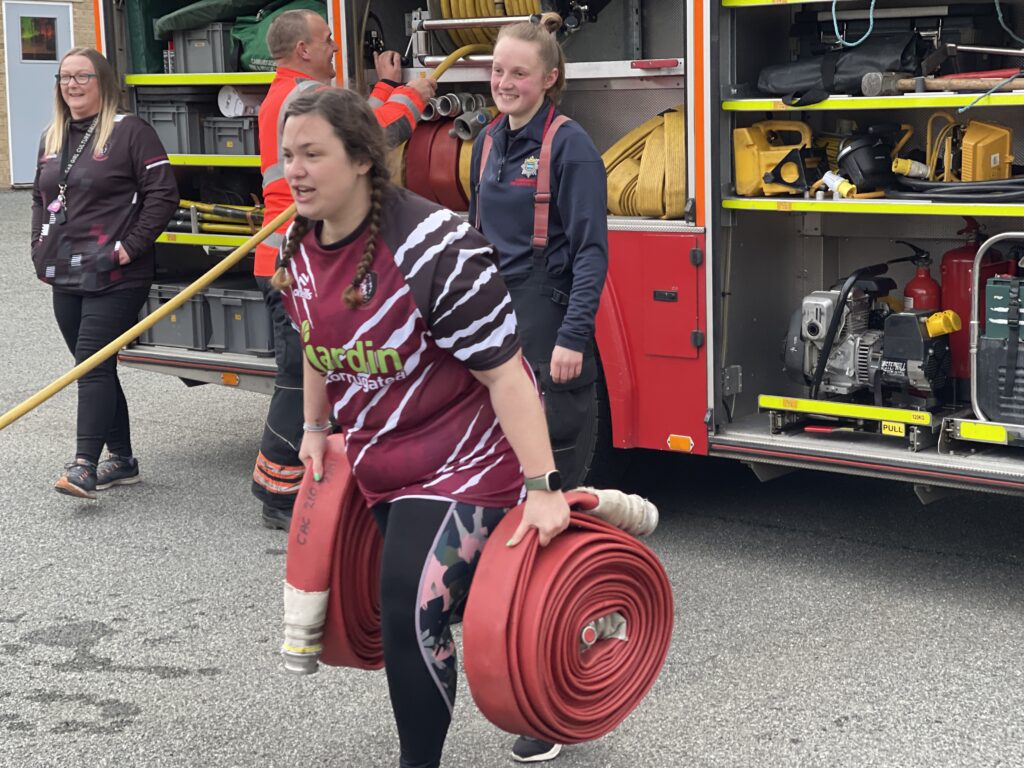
{"x":207,"y":49}
{"x":240,"y":320}
{"x":179,"y":124}
{"x":230,"y":136}
{"x":187,"y":327}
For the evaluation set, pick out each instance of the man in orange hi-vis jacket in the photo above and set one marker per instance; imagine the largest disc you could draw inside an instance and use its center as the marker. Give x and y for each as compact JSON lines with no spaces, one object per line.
{"x":303,"y":49}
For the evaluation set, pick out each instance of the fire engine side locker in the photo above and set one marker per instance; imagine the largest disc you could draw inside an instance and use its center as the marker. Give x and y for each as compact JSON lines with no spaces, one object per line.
{"x":243,"y":371}
{"x":767,"y":253}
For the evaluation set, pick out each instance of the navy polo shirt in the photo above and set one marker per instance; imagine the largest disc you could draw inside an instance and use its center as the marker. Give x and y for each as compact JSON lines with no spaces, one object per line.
{"x":577,"y":222}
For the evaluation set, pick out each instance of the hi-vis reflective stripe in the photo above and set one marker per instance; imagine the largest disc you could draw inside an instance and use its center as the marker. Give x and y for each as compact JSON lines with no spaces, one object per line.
{"x":845,"y":410}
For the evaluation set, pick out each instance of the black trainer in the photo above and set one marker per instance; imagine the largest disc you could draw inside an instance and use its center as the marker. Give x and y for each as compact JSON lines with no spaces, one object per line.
{"x":79,"y":479}
{"x":277,"y":518}
{"x":527,"y":750}
{"x":117,"y":470}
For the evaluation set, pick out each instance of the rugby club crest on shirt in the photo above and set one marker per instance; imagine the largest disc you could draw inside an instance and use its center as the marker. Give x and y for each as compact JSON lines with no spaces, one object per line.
{"x":368,"y":287}
{"x":530,"y":166}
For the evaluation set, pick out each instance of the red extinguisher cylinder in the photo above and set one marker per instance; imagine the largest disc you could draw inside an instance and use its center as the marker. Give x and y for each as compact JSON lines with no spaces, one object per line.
{"x":922,"y":292}
{"x":956,"y":273}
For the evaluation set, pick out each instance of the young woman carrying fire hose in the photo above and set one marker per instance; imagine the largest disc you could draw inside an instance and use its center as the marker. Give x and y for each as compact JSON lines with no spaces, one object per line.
{"x":410,"y":344}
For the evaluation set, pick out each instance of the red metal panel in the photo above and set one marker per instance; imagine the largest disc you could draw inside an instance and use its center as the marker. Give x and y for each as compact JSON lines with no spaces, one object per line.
{"x":654,"y":366}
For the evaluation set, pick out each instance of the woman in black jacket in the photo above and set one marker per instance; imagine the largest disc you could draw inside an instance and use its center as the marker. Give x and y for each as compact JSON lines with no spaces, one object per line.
{"x":104,"y":190}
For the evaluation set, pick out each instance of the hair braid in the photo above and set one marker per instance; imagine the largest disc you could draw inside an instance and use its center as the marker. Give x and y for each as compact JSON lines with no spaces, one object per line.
{"x":299,"y":228}
{"x":353,"y":295}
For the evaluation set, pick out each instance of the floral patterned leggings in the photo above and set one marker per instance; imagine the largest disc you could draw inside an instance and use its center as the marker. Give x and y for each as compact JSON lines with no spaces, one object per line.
{"x":431,"y":548}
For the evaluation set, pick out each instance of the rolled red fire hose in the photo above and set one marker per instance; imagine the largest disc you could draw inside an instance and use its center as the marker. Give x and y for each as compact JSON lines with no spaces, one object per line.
{"x":334,"y":544}
{"x":531,"y":666}
{"x":526,"y":623}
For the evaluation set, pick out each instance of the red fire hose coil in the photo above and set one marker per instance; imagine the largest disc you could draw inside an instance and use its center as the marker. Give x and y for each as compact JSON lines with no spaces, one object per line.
{"x":525,"y":616}
{"x":529,"y":652}
{"x":334,"y":544}
{"x":417,"y":159}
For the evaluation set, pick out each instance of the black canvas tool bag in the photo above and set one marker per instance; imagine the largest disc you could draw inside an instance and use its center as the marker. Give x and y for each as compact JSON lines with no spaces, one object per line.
{"x":809,"y":81}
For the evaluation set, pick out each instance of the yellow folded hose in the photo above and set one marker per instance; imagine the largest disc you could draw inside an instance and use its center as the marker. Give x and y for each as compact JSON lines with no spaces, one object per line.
{"x":647,"y":169}
{"x":146,"y":323}
{"x":651,"y":183}
{"x":675,"y":164}
{"x":465,"y":158}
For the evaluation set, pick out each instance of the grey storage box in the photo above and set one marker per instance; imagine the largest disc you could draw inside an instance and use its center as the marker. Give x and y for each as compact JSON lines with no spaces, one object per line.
{"x":240,"y":320}
{"x":187,"y":327}
{"x":179,"y":124}
{"x":207,"y":49}
{"x":230,"y":136}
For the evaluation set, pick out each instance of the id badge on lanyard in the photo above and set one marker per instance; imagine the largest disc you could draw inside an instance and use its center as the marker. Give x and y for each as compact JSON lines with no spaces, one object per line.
{"x":58,"y":208}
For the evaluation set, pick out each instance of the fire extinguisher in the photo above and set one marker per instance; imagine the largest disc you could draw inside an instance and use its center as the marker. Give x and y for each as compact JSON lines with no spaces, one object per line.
{"x":921,"y":291}
{"x":955,"y":271}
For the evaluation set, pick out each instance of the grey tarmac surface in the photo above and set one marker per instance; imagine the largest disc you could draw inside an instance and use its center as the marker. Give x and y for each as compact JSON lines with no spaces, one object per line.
{"x":820,"y":620}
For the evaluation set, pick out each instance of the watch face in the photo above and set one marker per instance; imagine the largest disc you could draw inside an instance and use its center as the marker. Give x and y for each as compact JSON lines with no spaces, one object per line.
{"x":555,"y":480}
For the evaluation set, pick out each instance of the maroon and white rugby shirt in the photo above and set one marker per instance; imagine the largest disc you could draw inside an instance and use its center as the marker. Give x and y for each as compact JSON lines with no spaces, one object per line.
{"x":416,"y":421}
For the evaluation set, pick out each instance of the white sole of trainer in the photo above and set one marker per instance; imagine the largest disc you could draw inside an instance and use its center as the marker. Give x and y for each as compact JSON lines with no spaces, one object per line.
{"x":122,"y":481}
{"x":551,"y":754}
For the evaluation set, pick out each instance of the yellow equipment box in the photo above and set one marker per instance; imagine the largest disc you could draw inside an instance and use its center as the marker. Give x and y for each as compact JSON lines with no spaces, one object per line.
{"x":760,"y":149}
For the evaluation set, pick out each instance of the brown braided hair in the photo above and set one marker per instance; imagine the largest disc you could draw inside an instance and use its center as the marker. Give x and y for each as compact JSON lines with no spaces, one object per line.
{"x":298,"y":230}
{"x":357,"y":128}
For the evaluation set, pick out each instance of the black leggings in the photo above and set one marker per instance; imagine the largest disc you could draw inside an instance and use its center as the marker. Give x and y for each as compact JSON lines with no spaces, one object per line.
{"x":89,"y":323}
{"x":431,"y":549}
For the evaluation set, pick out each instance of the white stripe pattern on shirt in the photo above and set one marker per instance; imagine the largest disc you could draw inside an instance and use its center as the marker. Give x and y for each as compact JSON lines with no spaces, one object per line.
{"x":470,"y":458}
{"x":464,"y":256}
{"x":378,"y":315}
{"x":482,"y":280}
{"x":430,"y":224}
{"x":428,"y":255}
{"x":498,"y":335}
{"x":395,"y":340}
{"x":395,"y":416}
{"x":449,"y":341}
{"x":475,"y":479}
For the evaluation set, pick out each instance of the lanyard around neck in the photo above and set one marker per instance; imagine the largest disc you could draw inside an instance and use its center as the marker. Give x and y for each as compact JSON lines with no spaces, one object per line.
{"x":69,"y":163}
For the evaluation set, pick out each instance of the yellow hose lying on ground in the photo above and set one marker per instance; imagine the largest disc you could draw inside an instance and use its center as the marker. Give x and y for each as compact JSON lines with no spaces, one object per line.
{"x":146,"y":323}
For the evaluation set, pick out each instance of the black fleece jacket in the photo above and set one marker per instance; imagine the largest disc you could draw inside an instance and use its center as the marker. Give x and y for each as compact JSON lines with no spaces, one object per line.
{"x":126,"y":193}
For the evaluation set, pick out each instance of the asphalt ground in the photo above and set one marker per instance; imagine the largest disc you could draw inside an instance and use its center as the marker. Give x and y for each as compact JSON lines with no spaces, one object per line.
{"x":820,"y":620}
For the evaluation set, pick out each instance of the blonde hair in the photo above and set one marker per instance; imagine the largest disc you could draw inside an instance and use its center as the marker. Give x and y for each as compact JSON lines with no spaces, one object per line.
{"x":551,"y":54}
{"x":110,"y":103}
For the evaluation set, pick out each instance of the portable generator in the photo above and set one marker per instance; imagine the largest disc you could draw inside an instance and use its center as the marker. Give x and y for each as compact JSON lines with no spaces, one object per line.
{"x":848,"y":340}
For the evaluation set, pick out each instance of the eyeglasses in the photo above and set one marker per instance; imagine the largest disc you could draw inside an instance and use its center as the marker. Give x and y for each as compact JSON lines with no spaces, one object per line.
{"x":82,"y":78}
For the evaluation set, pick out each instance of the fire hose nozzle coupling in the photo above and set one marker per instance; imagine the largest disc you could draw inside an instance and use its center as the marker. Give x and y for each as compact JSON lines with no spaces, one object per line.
{"x":301,"y":650}
{"x":468,"y":125}
{"x":838,"y":185}
{"x":448,"y":105}
{"x":903,"y":166}
{"x":942,"y":323}
{"x":304,"y":616}
{"x":430,"y":113}
{"x":610,"y":627}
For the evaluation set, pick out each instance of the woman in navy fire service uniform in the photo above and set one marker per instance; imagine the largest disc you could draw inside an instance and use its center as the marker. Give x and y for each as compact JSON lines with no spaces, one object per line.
{"x":555,"y":286}
{"x":410,"y":345}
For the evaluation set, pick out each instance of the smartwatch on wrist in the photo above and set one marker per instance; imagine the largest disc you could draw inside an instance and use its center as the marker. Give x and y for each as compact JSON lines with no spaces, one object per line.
{"x":549,"y":481}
